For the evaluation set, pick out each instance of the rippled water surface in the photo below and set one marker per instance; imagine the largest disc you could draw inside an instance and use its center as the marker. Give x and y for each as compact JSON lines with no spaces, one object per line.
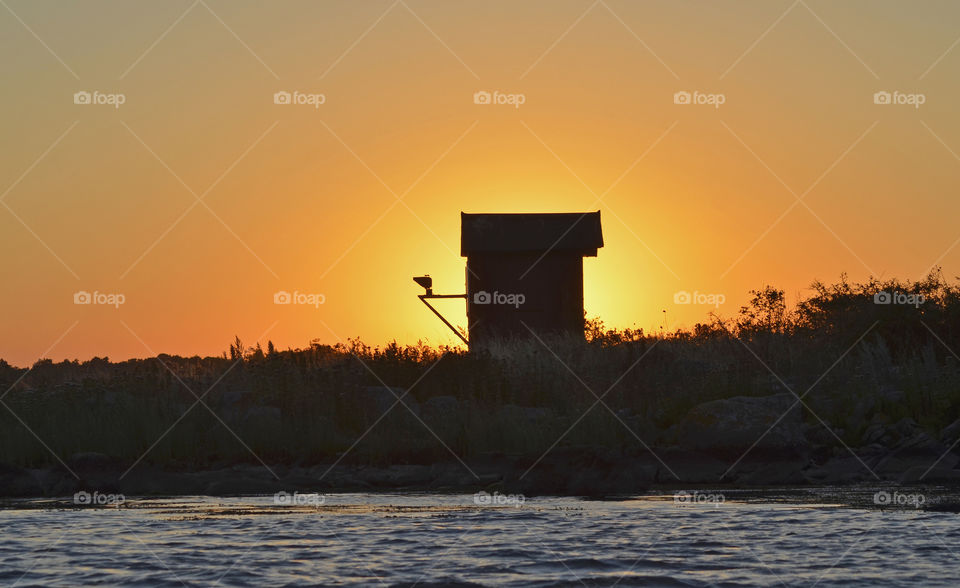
{"x":361,"y":539}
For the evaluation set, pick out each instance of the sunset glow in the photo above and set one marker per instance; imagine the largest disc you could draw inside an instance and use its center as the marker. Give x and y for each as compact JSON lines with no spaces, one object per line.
{"x":199,"y":198}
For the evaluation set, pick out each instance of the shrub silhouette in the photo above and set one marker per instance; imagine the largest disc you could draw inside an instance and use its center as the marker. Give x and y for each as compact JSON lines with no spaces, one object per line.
{"x":866,"y":362}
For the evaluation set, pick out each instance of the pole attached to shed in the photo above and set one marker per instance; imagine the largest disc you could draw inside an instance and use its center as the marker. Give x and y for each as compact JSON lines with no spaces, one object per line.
{"x":427,"y":283}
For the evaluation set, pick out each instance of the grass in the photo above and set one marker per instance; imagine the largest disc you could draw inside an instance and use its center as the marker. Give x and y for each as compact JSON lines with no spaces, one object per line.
{"x":862,"y":363}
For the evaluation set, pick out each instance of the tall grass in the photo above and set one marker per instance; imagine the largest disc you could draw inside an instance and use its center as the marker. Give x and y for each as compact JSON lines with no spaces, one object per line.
{"x":862,"y":362}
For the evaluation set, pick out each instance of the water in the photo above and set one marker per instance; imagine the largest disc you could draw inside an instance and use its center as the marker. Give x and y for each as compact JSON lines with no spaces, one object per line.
{"x":376,"y":539}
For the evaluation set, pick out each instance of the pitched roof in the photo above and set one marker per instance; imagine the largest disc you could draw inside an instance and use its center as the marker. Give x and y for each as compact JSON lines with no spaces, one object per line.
{"x":531,"y":232}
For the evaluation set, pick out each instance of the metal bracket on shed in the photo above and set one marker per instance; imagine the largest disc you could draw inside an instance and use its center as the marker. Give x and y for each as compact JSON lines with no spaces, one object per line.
{"x":427,"y":283}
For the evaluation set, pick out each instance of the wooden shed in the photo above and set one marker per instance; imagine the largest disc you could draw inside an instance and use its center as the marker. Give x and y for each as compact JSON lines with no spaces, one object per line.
{"x":525,"y":272}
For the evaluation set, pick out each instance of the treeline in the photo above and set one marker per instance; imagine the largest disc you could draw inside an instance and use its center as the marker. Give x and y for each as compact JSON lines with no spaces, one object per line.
{"x":859,"y":352}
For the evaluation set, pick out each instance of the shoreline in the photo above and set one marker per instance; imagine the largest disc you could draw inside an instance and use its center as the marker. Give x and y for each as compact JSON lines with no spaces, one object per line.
{"x":580,"y":472}
{"x":933,"y":498}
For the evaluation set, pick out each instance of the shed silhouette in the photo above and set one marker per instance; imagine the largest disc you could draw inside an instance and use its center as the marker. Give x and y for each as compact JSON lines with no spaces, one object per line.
{"x":525,"y":272}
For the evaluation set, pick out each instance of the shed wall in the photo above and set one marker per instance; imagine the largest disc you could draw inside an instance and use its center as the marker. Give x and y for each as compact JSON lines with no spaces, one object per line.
{"x":552,"y":295}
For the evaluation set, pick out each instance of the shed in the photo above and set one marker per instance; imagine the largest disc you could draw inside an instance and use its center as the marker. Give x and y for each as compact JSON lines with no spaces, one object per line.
{"x":525,"y":272}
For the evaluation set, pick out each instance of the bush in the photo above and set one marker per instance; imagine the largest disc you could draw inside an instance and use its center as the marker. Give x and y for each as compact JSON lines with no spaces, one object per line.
{"x":858,"y":358}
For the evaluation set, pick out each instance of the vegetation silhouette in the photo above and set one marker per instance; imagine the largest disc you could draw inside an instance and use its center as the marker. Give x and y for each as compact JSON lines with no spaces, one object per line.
{"x":862,"y":360}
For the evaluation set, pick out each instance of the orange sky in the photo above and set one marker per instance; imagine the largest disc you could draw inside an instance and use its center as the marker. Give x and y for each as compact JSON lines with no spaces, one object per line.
{"x":694,"y":198}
